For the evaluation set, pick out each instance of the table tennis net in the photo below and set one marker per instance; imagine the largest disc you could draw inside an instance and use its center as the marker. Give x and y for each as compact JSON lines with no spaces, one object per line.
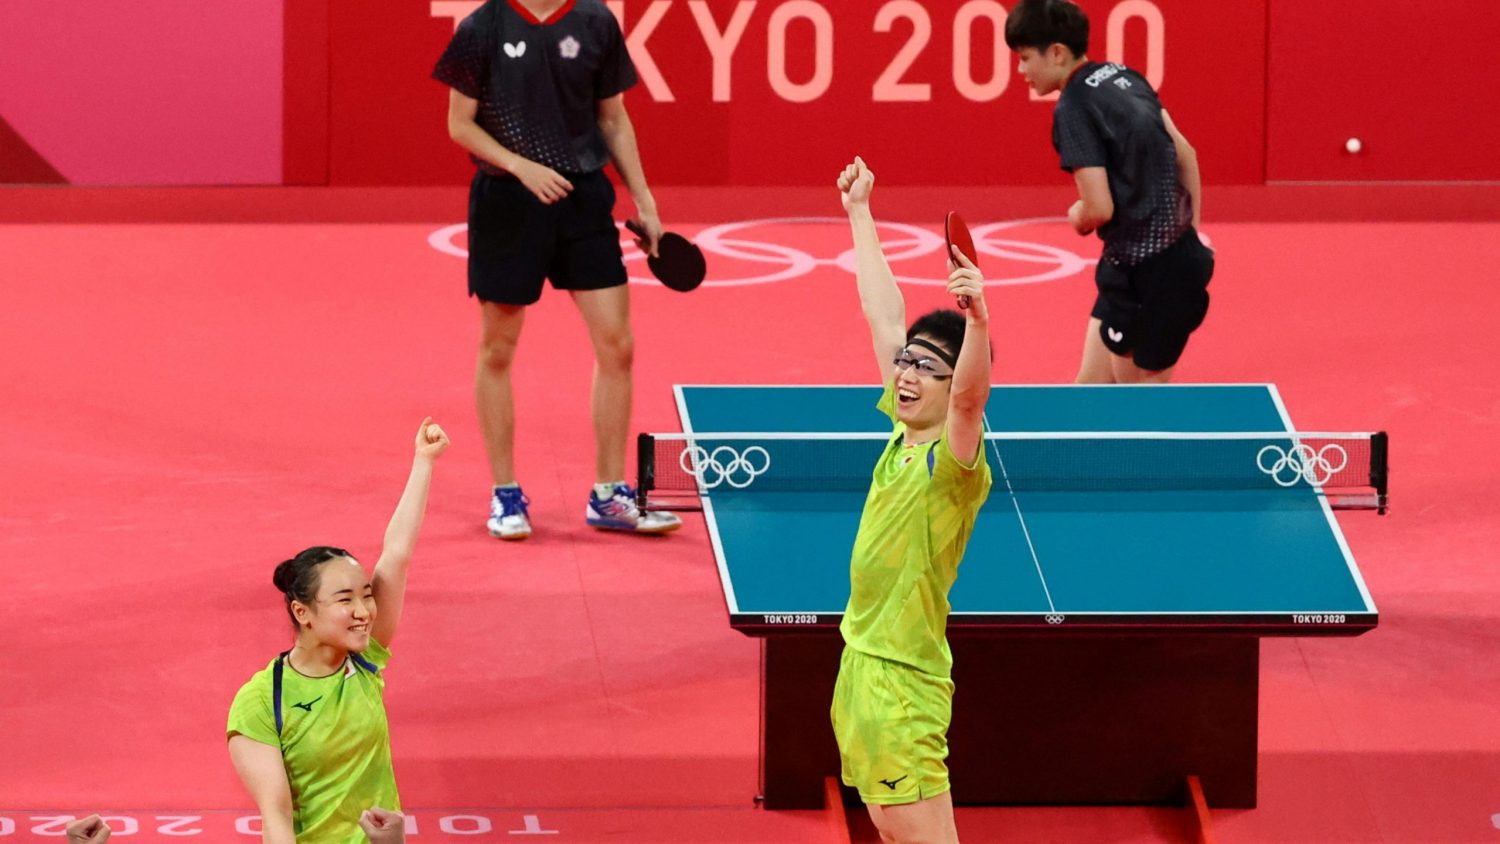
{"x":1347,"y":467}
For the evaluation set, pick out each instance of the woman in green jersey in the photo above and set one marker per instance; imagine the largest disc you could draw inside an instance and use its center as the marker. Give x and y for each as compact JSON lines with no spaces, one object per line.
{"x":894,"y":695}
{"x":308,"y":733}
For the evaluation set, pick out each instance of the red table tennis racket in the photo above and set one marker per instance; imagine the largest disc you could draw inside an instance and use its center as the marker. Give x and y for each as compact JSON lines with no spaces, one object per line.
{"x":957,"y":234}
{"x":679,"y":263}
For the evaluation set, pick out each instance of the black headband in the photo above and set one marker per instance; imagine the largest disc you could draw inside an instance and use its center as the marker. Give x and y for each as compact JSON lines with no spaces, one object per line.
{"x":937,"y":350}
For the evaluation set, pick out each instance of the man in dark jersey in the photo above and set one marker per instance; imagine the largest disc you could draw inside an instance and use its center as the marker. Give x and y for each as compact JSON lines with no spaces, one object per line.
{"x":1138,"y":186}
{"x":537,"y":100}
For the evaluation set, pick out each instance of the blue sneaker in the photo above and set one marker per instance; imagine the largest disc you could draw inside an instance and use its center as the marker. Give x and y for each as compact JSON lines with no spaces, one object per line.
{"x":620,"y":512}
{"x":508,"y":519}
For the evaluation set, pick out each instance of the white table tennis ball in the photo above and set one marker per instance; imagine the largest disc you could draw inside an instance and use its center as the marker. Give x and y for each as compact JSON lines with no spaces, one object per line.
{"x":1353,"y":145}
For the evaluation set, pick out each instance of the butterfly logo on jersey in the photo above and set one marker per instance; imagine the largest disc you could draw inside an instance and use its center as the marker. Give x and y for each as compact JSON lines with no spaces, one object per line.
{"x":568,"y":47}
{"x":1116,"y":336}
{"x":515,"y":50}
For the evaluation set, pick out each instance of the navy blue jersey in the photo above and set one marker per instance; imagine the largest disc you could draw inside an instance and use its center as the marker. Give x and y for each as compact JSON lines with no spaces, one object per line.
{"x":1108,"y":116}
{"x":539,"y":83}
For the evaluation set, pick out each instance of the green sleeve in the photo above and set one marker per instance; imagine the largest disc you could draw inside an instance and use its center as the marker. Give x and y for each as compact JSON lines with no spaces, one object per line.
{"x":966,"y":482}
{"x":887,"y":402}
{"x":377,"y":654}
{"x":251,"y":715}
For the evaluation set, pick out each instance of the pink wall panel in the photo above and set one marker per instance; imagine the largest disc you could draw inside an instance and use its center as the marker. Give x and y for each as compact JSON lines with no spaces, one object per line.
{"x":146,"y":92}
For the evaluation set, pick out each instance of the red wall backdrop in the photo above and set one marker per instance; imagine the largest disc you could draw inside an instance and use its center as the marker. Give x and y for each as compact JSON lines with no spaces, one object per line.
{"x":744,"y":92}
{"x":1415,"y":82}
{"x":783,"y":92}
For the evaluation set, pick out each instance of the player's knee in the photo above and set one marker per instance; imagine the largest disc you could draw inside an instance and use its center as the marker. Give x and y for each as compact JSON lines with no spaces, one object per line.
{"x":616,"y":351}
{"x":495,"y":356}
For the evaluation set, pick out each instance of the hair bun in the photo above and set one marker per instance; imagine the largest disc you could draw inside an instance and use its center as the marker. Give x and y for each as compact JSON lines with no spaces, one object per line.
{"x":285,"y":576}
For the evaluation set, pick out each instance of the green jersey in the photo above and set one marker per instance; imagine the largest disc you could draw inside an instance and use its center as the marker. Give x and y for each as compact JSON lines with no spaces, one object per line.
{"x":916,"y":523}
{"x":334,"y":741}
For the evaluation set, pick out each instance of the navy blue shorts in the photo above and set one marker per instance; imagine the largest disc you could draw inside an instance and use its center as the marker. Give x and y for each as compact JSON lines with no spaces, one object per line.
{"x":516,"y":242}
{"x":1148,"y":310}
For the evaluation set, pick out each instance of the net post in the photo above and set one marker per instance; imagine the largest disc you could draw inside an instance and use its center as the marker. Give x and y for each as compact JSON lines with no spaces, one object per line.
{"x":1379,"y":477}
{"x":645,"y":467}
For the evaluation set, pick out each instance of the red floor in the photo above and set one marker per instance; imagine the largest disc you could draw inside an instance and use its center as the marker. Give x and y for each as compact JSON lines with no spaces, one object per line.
{"x":185,"y":405}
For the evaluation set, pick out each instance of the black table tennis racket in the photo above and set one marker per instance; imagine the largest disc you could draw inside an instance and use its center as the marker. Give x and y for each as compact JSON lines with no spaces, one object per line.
{"x":679,"y":263}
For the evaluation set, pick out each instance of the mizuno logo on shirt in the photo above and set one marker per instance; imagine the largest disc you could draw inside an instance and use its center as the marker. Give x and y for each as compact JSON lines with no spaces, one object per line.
{"x":307,"y":707}
{"x":515,"y":50}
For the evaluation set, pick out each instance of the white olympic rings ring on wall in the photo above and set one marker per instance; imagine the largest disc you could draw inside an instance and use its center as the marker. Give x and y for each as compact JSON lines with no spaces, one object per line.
{"x":726,"y":465}
{"x":1302,"y":463}
{"x":730,"y":240}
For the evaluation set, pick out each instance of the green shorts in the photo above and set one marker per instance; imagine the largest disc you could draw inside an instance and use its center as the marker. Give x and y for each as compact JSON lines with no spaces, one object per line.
{"x":891,"y":722}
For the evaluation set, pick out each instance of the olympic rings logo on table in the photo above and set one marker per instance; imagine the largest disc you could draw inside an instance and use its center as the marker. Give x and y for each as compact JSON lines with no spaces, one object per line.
{"x":1302,"y":463}
{"x":738,"y":241}
{"x":724,"y":465}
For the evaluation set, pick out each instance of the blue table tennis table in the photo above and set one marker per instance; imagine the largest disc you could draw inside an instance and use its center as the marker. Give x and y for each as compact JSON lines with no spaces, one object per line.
{"x":1136,"y":543}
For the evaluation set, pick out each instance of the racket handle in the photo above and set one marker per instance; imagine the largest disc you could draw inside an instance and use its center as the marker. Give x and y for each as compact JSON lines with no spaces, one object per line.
{"x":635,"y":228}
{"x":963,"y":302}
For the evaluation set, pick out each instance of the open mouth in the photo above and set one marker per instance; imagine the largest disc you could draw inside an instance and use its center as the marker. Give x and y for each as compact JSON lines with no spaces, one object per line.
{"x":906,"y":396}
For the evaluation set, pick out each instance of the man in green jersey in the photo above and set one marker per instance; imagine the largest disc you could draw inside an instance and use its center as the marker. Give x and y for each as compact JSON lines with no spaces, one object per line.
{"x":893,"y":699}
{"x":308,"y":733}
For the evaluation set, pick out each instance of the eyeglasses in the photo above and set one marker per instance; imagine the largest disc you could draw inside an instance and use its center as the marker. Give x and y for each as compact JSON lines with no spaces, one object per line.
{"x":926,"y":367}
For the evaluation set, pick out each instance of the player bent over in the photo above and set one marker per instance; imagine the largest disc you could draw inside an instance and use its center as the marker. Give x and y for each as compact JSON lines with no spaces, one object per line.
{"x":1138,"y":186}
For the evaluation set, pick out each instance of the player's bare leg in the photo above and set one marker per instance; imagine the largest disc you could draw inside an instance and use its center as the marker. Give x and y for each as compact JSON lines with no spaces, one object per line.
{"x":500,"y":332}
{"x":1126,"y":372}
{"x":612,"y":503}
{"x":607,"y":314}
{"x":928,"y":821}
{"x":1095,"y":367}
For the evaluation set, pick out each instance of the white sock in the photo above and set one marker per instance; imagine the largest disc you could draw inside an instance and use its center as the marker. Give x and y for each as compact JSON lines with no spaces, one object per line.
{"x":605,"y":490}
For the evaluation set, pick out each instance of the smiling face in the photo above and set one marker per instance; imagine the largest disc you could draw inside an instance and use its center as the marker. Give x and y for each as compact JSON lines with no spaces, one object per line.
{"x":344,"y":608}
{"x":923,"y":384}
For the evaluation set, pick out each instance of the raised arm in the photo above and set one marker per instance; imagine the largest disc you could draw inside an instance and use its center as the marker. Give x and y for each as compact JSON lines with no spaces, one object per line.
{"x":544,"y":183}
{"x":971,"y":375}
{"x":619,"y":136}
{"x":263,"y":772}
{"x":1187,"y":166}
{"x":880,"y":298}
{"x":389,"y":579}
